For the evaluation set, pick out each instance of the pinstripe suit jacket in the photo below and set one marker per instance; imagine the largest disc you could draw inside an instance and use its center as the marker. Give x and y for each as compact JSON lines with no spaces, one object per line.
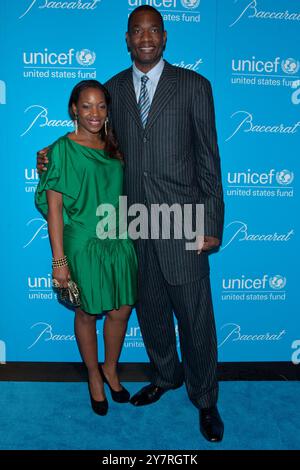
{"x":175,"y":159}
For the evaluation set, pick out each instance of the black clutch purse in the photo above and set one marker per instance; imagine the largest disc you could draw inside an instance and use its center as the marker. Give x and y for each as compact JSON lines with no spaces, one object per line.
{"x":70,"y":296}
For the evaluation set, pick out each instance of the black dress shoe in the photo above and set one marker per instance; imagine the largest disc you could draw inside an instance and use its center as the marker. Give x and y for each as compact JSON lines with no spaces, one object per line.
{"x":147,"y":395}
{"x":121,"y":396}
{"x":99,"y":407}
{"x":211,"y":424}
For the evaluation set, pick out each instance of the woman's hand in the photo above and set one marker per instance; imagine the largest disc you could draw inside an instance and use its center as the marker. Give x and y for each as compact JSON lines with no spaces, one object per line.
{"x":62,"y":275}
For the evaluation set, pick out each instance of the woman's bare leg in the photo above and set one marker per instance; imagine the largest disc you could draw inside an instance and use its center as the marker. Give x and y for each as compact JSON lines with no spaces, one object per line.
{"x":85,"y":331}
{"x":114,"y":333}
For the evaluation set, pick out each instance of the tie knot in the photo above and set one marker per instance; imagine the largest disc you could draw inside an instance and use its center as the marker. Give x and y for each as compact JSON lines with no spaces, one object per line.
{"x":144,"y":79}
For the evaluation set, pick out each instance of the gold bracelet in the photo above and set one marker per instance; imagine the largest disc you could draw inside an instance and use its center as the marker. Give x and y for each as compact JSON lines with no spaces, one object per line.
{"x":60,"y":262}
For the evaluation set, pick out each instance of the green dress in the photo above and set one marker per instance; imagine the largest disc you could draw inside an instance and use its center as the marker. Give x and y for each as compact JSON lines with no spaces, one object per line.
{"x":105,"y":269}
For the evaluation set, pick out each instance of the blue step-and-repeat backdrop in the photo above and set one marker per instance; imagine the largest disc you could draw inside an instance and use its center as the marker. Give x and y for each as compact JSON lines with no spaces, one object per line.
{"x":249,"y":49}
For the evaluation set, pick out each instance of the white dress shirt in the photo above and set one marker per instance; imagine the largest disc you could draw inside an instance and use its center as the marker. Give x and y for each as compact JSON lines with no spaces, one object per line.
{"x":153,"y":75}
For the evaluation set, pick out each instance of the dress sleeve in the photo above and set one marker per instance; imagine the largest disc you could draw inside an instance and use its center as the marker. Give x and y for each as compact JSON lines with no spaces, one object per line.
{"x":62,"y":176}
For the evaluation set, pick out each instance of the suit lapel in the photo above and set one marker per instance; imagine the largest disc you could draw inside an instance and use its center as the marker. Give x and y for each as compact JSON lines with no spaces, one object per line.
{"x":128,"y":96}
{"x":165,"y":90}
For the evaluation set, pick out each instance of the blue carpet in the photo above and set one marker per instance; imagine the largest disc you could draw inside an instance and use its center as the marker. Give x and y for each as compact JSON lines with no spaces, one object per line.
{"x":48,"y":416}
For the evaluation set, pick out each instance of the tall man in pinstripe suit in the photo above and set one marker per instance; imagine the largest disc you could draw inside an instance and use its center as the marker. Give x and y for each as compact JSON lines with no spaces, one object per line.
{"x":165,"y":126}
{"x":171,"y":156}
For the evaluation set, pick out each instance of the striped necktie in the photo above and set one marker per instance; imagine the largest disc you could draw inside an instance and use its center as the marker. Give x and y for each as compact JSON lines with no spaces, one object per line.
{"x":144,"y":100}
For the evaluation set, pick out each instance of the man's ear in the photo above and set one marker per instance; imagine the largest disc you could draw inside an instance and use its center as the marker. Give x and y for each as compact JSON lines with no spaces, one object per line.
{"x":127,"y":42}
{"x":165,"y":39}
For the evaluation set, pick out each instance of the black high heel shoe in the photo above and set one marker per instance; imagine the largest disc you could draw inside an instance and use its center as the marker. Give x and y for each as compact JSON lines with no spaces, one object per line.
{"x":121,"y":396}
{"x":99,"y":407}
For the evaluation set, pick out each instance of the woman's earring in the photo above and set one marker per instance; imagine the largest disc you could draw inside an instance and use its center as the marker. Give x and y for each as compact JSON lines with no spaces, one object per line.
{"x":105,"y":125}
{"x":76,"y":124}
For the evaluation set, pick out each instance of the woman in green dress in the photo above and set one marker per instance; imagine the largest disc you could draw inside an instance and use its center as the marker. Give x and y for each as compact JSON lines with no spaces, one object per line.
{"x":85,"y":171}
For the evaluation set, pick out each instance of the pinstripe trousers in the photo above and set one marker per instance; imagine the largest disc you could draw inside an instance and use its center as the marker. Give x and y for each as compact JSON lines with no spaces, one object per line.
{"x":192,"y":306}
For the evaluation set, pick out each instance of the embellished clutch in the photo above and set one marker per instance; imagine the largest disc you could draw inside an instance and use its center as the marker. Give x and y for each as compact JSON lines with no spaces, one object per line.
{"x":70,"y":296}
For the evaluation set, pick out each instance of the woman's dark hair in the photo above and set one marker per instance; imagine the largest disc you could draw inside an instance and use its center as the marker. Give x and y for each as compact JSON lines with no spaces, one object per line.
{"x":111,"y":144}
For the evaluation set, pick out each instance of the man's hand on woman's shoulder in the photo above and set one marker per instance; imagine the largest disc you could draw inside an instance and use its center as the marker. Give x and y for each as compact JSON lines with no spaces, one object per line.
{"x":42,"y":160}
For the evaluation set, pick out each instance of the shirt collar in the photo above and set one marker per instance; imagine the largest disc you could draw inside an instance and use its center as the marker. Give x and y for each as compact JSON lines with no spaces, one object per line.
{"x":153,"y":74}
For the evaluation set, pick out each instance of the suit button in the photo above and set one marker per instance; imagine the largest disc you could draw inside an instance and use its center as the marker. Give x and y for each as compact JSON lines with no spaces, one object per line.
{"x":145,"y":173}
{"x":145,"y":140}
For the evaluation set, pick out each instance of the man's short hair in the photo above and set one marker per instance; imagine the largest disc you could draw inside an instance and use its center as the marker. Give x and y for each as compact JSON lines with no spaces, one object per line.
{"x":145,"y":8}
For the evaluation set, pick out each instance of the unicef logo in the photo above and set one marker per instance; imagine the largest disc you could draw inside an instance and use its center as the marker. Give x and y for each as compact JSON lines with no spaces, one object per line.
{"x":277,"y":282}
{"x":290,"y":66}
{"x":284,"y":177}
{"x":190,"y":4}
{"x":85,"y":57}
